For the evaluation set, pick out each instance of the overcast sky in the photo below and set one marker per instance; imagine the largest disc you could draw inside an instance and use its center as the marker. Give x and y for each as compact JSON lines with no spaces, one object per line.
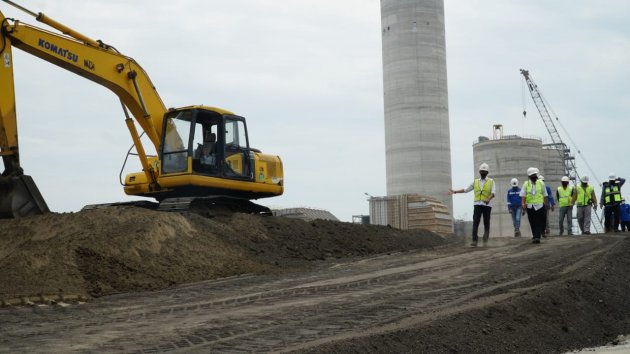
{"x":307,"y":75}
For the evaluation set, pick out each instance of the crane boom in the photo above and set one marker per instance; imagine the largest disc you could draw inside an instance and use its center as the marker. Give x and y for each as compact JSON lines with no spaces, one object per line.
{"x":557,"y":143}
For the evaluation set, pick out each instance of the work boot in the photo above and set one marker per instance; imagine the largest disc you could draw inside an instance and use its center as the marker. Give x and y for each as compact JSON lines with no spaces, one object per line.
{"x":486,"y":235}
{"x":473,"y":244}
{"x":517,"y":233}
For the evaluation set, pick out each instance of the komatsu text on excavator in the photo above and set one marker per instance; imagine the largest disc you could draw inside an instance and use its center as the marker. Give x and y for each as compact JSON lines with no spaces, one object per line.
{"x":203,"y":152}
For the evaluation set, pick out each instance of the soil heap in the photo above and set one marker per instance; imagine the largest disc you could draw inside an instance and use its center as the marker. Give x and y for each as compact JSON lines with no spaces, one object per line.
{"x":122,"y":249}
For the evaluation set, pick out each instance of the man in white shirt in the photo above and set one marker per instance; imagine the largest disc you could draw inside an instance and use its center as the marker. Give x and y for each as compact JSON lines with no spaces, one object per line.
{"x":485,"y":190}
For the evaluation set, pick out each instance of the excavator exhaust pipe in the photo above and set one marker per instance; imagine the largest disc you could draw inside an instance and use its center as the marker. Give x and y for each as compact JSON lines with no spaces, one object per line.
{"x":19,"y":197}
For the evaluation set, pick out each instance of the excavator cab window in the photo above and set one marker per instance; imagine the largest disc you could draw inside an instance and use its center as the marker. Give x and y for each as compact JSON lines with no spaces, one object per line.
{"x":175,"y":147}
{"x":206,"y":145}
{"x":237,"y":160}
{"x":217,"y":143}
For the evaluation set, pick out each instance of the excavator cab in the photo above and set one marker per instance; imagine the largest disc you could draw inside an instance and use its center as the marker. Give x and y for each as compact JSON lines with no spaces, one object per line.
{"x":205,"y":151}
{"x":214,"y":141}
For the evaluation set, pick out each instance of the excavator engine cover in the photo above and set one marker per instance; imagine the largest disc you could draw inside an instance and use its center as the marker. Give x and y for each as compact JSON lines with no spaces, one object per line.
{"x":19,"y":197}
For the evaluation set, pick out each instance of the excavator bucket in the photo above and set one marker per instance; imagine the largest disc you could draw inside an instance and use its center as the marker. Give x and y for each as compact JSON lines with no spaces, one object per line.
{"x":19,"y":197}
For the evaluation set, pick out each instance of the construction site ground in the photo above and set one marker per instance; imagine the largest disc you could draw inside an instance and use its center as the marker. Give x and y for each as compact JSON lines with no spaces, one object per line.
{"x":127,"y":279}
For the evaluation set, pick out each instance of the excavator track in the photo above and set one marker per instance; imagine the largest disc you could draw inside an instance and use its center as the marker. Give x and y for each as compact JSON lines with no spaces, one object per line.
{"x":207,"y":206}
{"x":213,"y":204}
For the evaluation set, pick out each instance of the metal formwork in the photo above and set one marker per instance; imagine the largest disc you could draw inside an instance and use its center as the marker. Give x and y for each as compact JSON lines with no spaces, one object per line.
{"x":417,"y":142}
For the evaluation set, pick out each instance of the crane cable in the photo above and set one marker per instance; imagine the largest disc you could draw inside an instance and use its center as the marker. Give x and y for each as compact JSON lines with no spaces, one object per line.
{"x":566,"y":133}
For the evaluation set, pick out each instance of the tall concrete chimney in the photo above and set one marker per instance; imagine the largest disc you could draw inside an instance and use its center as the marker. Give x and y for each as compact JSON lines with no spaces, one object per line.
{"x":417,"y":141}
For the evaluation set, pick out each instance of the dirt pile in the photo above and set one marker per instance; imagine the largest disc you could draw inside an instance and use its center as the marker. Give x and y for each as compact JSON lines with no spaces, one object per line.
{"x":123,"y":249}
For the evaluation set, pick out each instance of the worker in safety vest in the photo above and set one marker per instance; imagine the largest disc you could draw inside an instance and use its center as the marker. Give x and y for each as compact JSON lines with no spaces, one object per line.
{"x":610,"y":201}
{"x":584,"y":197}
{"x":535,"y":200}
{"x":564,"y":196}
{"x":485,"y":190}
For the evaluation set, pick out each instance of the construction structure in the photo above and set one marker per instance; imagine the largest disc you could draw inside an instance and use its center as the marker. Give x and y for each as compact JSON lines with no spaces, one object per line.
{"x":417,"y":140}
{"x":411,"y":212}
{"x":509,"y":156}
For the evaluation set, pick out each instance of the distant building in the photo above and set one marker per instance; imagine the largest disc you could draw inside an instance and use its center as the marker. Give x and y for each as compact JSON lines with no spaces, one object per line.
{"x":306,"y":214}
{"x":361,"y":219}
{"x":411,"y":212}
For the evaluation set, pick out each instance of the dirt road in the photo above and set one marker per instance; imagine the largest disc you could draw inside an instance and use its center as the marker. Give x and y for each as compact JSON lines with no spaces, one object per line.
{"x":510,"y":296}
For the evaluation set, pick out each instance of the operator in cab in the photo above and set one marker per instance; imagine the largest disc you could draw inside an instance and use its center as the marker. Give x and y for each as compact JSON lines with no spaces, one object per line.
{"x":206,"y":152}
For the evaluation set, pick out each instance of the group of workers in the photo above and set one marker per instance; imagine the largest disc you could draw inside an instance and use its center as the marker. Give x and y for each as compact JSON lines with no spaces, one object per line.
{"x":537,"y":200}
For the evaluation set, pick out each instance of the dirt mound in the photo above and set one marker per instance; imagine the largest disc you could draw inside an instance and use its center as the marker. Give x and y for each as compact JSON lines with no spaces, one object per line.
{"x":123,"y":249}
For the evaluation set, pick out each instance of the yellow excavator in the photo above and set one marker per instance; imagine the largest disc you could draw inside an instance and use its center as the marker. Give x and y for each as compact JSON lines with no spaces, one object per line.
{"x":203,"y":153}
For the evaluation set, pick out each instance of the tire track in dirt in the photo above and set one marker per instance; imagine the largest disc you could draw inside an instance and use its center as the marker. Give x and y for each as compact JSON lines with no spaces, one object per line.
{"x":299,"y":311}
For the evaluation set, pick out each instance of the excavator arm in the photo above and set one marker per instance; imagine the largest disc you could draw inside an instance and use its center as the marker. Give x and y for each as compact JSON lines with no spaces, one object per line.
{"x":83,"y":56}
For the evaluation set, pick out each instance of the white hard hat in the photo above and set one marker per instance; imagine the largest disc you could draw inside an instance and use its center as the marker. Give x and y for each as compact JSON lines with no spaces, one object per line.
{"x":541,"y":177}
{"x":532,"y":171}
{"x":584,"y":179}
{"x":565,"y":179}
{"x":612,"y":176}
{"x":483,"y":167}
{"x":514,"y":182}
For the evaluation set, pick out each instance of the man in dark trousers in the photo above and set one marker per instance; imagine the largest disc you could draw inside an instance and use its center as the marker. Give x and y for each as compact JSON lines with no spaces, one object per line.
{"x":534,"y":199}
{"x":484,"y":192}
{"x":610,"y":201}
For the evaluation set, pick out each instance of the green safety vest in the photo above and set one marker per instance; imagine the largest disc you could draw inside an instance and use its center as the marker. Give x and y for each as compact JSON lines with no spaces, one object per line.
{"x":537,"y":198}
{"x":565,"y":196}
{"x":614,"y":192}
{"x":482,"y":194}
{"x":584,"y":196}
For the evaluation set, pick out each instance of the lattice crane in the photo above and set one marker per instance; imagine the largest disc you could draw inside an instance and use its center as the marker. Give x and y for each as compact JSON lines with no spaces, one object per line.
{"x":561,"y":147}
